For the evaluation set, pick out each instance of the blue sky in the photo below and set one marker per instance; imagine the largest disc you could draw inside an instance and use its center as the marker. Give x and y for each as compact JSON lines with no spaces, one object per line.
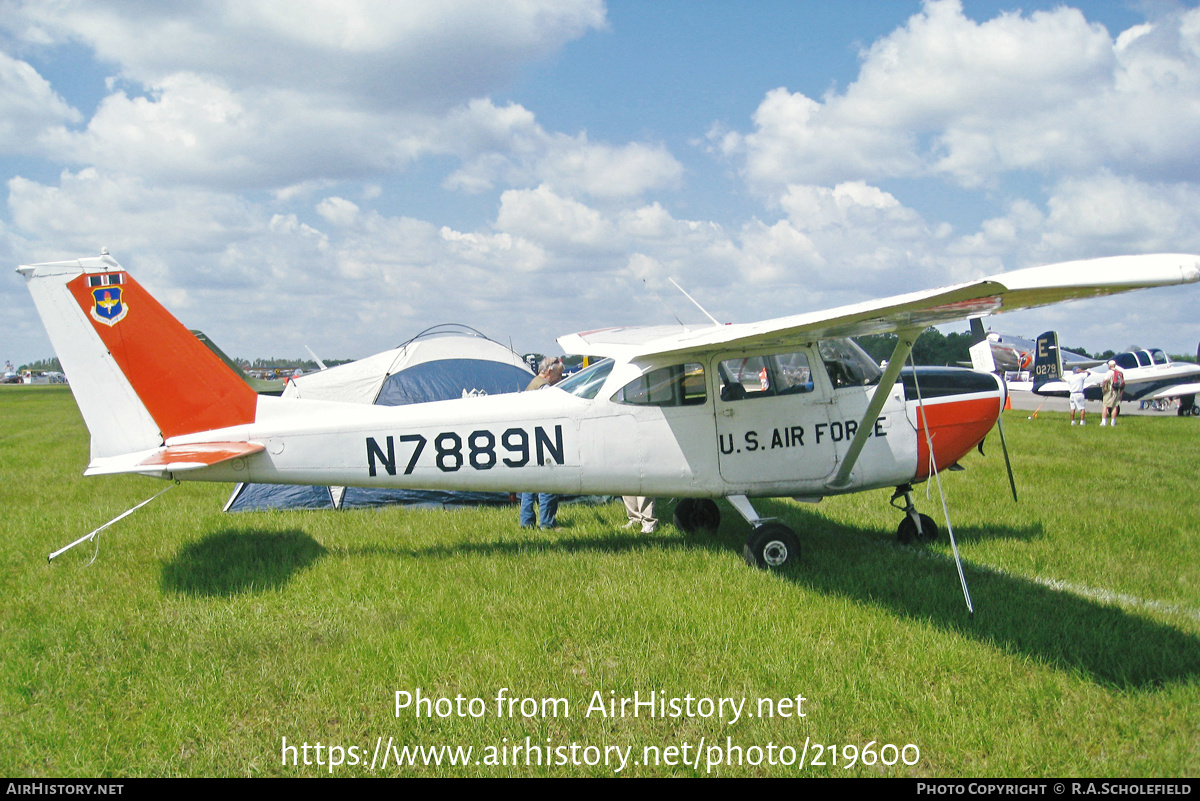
{"x":342,"y":175}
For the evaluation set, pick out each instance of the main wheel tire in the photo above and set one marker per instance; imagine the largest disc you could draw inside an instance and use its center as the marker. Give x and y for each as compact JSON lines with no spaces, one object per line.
{"x":771,"y":546}
{"x":907,"y":533}
{"x":696,"y":514}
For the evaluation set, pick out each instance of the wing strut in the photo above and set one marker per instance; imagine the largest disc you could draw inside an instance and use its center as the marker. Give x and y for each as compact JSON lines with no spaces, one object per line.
{"x":904,"y":344}
{"x":937,"y":476}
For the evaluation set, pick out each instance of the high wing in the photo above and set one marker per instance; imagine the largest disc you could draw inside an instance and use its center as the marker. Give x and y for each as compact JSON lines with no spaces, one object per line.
{"x":1012,"y":291}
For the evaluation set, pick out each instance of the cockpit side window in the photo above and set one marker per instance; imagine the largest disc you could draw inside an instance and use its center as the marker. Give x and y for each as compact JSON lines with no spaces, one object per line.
{"x":1125,"y":361}
{"x":677,"y":385}
{"x":765,"y":376}
{"x":1143,"y":358}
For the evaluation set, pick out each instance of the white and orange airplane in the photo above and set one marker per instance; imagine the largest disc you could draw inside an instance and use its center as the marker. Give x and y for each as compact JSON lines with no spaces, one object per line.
{"x":784,"y":407}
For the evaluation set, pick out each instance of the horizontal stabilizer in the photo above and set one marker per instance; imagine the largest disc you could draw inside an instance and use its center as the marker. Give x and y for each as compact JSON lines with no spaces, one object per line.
{"x":173,"y":458}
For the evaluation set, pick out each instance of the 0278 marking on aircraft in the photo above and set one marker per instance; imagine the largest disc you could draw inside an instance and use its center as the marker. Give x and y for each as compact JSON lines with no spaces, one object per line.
{"x":480,"y":451}
{"x":658,"y":416}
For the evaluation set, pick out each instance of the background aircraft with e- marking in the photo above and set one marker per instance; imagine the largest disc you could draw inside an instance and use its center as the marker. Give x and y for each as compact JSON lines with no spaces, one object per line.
{"x":1149,"y":375}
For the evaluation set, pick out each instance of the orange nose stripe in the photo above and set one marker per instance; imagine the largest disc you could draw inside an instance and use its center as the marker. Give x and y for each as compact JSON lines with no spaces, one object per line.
{"x":956,"y":427}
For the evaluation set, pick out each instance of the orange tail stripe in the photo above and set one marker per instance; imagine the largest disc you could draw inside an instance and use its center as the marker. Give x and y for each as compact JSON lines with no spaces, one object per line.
{"x":183,"y":385}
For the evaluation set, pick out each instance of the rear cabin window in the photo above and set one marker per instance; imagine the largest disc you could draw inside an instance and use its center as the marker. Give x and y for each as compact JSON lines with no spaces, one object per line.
{"x":677,"y":385}
{"x":765,"y":376}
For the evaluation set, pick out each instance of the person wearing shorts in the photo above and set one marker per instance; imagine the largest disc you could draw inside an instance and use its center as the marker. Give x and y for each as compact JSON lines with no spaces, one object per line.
{"x":1075,"y":383}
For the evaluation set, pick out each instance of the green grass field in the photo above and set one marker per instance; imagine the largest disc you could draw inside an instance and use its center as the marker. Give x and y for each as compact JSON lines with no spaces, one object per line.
{"x":198,"y":641}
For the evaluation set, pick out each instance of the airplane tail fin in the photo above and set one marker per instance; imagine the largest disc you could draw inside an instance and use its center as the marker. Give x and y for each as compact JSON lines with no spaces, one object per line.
{"x":977,"y":333}
{"x":139,"y":376}
{"x":1047,"y":360}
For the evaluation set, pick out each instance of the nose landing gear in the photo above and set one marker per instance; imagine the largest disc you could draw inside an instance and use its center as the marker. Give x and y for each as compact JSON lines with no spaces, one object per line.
{"x":915,"y":527}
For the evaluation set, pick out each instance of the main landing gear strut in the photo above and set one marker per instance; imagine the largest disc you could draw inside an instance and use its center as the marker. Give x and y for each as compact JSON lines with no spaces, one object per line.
{"x":914,"y":527}
{"x":771,"y":544}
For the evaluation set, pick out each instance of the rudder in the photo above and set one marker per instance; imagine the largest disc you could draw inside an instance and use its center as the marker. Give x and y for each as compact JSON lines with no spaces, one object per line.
{"x":1047,"y":360}
{"x":139,"y":376}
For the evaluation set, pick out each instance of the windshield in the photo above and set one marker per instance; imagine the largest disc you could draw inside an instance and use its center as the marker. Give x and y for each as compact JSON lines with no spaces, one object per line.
{"x":587,"y":382}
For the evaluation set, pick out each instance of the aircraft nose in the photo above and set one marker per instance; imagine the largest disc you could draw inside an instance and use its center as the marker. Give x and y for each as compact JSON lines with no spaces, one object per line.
{"x":1191,"y":272}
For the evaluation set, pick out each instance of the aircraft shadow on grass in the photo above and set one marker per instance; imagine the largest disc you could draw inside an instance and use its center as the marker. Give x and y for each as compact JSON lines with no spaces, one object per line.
{"x":1107,"y":644}
{"x":236,"y":561}
{"x":1059,"y":628}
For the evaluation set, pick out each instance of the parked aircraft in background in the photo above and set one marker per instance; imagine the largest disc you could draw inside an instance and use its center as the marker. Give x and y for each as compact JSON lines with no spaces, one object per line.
{"x":1013,"y":354}
{"x":1149,"y":375}
{"x":783,"y":407}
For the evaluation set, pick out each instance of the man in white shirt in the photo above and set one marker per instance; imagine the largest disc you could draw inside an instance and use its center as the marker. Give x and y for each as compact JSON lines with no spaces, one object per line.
{"x":1075,"y":383}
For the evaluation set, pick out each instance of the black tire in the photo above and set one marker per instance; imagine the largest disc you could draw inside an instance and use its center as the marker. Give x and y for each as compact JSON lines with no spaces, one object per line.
{"x":697,"y":514}
{"x":771,"y":546}
{"x":907,"y":534}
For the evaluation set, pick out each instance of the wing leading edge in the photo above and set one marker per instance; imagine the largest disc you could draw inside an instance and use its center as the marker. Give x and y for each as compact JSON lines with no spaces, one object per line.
{"x":1011,"y":291}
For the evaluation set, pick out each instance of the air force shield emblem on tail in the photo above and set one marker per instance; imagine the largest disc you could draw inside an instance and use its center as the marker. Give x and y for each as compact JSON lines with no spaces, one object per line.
{"x":108,"y":307}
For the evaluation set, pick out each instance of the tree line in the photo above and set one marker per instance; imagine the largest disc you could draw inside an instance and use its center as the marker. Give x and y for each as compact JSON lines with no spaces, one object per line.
{"x":935,"y":348}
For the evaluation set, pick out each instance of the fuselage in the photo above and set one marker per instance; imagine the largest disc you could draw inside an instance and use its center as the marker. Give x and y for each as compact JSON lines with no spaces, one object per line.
{"x":746,"y":423}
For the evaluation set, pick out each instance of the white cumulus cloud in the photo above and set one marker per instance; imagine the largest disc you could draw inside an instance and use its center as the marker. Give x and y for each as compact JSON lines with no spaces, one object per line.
{"x":945,"y":95}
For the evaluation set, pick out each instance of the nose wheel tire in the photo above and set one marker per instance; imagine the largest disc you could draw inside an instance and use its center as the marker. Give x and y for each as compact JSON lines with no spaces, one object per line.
{"x":772,"y":546}
{"x":696,"y":514}
{"x":907,"y":532}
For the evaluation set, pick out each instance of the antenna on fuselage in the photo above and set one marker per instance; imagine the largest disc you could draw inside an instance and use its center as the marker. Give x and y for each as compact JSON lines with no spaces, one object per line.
{"x":693,"y":300}
{"x":316,"y":358}
{"x":663,"y":302}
